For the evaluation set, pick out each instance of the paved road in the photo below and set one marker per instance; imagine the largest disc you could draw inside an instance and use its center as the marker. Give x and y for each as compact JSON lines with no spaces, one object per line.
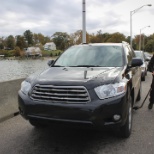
{"x":17,"y":136}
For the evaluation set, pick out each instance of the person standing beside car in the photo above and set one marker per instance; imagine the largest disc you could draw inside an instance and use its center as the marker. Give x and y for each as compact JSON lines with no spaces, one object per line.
{"x":151,"y":69}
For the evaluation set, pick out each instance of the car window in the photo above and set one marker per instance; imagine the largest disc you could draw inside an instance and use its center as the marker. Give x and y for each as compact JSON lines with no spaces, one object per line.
{"x":129,"y":55}
{"x":139,"y":54}
{"x":103,"y":56}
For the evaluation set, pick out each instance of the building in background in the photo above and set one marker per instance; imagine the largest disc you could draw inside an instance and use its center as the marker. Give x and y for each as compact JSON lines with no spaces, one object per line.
{"x":50,"y":46}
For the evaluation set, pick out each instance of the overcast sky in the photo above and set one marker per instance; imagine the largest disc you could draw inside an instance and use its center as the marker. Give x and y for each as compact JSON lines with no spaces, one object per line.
{"x":50,"y":16}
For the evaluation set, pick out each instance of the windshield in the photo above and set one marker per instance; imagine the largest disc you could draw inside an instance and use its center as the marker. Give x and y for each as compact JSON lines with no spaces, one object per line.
{"x":139,"y":54}
{"x":95,"y":56}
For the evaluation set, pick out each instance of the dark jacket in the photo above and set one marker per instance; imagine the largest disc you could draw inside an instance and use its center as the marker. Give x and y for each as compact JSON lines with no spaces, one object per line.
{"x":151,"y":64}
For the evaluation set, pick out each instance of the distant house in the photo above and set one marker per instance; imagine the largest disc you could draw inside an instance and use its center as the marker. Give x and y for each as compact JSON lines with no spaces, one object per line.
{"x":50,"y":46}
{"x":33,"y":51}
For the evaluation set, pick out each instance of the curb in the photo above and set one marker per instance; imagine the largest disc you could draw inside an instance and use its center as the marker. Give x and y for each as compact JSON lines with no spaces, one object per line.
{"x":9,"y":117}
{"x":9,"y":99}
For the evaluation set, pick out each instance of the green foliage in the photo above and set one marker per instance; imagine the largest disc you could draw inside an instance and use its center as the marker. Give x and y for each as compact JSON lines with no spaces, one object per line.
{"x":150,"y":46}
{"x":51,"y":54}
{"x":9,"y":53}
{"x":106,"y":37}
{"x":61,"y":40}
{"x":100,"y":37}
{"x":10,"y":42}
{"x":64,"y":40}
{"x":1,"y":46}
{"x":117,"y":38}
{"x":17,"y":51}
{"x":20,"y":42}
{"x":29,"y":37}
{"x":2,"y":52}
{"x":40,"y":39}
{"x":46,"y":53}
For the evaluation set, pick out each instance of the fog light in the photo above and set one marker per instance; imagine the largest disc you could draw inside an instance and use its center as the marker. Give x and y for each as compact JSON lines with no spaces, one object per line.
{"x":116,"y":117}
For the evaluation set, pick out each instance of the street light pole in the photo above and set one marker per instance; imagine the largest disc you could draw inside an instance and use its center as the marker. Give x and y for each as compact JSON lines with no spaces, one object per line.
{"x":131,"y":14}
{"x":140,"y":37}
{"x":83,"y":21}
{"x":131,"y":28}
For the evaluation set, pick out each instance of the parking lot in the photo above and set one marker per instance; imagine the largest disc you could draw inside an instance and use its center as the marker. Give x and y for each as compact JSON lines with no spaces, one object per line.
{"x":17,"y":136}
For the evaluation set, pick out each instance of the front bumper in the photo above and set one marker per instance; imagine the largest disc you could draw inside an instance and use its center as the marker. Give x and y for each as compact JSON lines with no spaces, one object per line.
{"x":97,"y":113}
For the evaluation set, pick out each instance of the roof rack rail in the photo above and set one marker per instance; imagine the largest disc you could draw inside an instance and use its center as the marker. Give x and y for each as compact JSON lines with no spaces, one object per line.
{"x":124,"y":42}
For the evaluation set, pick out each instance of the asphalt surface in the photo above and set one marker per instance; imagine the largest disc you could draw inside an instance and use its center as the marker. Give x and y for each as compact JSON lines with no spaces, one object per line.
{"x":17,"y":136}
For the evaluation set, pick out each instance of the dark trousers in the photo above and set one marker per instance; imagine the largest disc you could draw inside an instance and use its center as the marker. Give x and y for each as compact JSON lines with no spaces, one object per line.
{"x":152,"y":91}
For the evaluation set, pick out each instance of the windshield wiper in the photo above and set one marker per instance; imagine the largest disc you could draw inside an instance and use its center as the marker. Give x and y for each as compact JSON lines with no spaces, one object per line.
{"x":86,"y":66}
{"x":58,"y":66}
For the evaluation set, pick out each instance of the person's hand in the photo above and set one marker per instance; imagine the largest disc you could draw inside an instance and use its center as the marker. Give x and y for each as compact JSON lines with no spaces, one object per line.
{"x":153,"y":73}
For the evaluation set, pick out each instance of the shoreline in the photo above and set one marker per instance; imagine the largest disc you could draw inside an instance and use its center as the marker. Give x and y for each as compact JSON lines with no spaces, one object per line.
{"x":28,"y":58}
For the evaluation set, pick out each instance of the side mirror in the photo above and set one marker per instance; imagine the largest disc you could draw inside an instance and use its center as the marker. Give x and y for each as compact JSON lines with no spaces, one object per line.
{"x":136,"y":62}
{"x":50,"y":63}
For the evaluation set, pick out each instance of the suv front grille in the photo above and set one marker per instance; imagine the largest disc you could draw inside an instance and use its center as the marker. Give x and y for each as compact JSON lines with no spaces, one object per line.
{"x":66,"y":94}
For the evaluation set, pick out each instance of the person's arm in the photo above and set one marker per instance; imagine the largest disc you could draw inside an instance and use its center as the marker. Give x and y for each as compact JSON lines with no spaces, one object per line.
{"x":151,"y":65}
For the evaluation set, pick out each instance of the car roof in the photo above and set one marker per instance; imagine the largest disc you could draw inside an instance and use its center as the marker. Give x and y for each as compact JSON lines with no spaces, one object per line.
{"x":100,"y":44}
{"x":138,"y":51}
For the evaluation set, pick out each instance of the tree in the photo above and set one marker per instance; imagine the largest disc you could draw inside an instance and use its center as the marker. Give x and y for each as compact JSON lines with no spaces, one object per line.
{"x":61,"y":39}
{"x":46,"y":39}
{"x":35,"y":38}
{"x":10,"y":42}
{"x":99,"y":36}
{"x":128,"y":39}
{"x":149,"y":47}
{"x":149,"y":43}
{"x":76,"y":38}
{"x":17,"y":51}
{"x":106,"y":37}
{"x":29,"y":37}
{"x":1,"y":43}
{"x":20,"y":42}
{"x":1,"y":46}
{"x":117,"y":38}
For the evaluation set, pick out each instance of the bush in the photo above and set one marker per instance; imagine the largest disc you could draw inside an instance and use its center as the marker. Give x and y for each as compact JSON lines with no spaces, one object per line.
{"x":2,"y":52}
{"x":59,"y":53}
{"x":17,"y":51}
{"x":47,"y":53}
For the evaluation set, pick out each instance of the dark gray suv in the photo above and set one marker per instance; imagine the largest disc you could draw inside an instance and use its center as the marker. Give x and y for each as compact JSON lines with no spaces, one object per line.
{"x":90,"y":84}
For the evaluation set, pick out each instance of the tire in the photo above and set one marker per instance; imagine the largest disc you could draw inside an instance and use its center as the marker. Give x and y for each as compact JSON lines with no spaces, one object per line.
{"x":139,"y":94}
{"x":145,"y":72}
{"x":125,"y":130}
{"x":143,"y":78}
{"x":36,"y":124}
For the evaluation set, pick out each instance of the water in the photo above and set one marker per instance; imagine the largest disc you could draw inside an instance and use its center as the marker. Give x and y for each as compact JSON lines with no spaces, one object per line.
{"x":16,"y":69}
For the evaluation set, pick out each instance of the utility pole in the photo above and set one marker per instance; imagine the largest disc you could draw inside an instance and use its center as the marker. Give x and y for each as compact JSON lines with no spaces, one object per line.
{"x":131,"y":14}
{"x":83,"y":21}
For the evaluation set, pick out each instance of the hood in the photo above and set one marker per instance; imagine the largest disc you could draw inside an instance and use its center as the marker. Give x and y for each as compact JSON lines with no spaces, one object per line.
{"x":78,"y":75}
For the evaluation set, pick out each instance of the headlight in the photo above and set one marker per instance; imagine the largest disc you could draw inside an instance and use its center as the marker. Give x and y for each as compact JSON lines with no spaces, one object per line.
{"x":110,"y":90}
{"x":25,"y":87}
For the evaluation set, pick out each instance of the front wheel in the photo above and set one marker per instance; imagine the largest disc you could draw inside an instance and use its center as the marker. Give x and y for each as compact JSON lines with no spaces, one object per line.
{"x":127,"y":127}
{"x":139,"y":93}
{"x":36,"y":123}
{"x":143,"y":78}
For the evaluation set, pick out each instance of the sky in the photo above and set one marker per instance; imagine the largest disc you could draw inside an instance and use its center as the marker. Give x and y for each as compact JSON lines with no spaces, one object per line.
{"x":50,"y":16}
